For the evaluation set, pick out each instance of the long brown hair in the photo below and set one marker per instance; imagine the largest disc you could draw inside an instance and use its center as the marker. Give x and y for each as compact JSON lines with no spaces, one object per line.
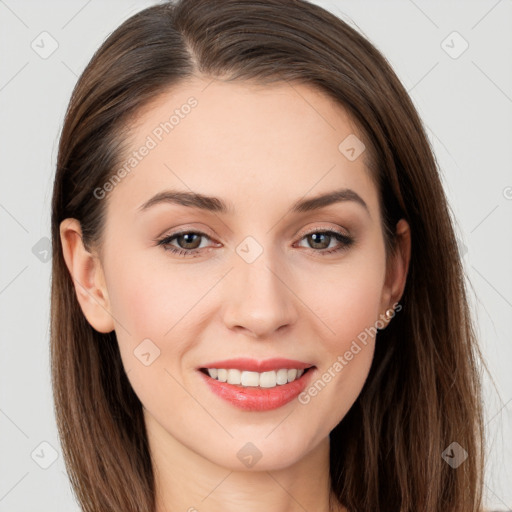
{"x":423,"y":391}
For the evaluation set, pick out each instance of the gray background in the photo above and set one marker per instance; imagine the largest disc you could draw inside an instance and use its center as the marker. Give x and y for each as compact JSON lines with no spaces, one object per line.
{"x":466,"y":105}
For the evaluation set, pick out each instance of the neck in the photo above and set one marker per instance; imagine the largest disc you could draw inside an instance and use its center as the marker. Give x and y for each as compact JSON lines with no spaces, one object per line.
{"x":187,"y":481}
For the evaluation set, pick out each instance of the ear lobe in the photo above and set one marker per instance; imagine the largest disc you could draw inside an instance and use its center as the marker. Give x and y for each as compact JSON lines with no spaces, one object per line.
{"x":398,"y":266}
{"x":87,"y":274}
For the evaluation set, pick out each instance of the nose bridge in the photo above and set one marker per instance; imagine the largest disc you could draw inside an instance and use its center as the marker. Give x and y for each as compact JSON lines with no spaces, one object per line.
{"x":258,"y":298}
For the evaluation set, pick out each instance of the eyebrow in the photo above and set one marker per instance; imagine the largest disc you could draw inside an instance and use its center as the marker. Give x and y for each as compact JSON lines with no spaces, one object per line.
{"x":217,"y":205}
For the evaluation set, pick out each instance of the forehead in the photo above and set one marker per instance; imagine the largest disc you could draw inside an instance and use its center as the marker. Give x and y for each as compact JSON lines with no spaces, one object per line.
{"x":252,"y":144}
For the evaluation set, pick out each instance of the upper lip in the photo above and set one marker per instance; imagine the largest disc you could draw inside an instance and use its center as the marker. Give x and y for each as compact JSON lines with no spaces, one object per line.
{"x":253,"y":365}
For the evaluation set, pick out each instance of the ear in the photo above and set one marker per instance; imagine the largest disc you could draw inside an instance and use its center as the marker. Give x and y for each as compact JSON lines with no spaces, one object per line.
{"x":396,"y":269}
{"x":87,"y":274}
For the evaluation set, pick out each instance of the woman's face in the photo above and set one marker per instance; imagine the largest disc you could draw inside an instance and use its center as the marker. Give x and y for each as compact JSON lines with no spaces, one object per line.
{"x":259,"y":278}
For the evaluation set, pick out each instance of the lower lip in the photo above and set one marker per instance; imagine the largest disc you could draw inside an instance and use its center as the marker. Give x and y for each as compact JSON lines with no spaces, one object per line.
{"x":256,"y":398}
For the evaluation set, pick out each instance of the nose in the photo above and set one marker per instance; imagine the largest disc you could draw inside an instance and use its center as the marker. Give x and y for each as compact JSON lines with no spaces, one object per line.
{"x":258,"y":299}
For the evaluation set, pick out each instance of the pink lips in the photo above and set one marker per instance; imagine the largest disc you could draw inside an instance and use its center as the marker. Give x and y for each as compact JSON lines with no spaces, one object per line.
{"x":256,"y":398}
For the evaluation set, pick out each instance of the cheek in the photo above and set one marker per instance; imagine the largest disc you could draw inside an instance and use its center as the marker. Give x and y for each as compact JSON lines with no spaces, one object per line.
{"x":347,"y":350}
{"x":151,"y":314}
{"x":160,"y":302}
{"x":347,"y":300}
{"x":149,"y":298}
{"x":346,"y":297}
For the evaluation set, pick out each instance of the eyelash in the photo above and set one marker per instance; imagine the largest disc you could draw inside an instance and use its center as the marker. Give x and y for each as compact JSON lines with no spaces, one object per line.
{"x":345,"y":240}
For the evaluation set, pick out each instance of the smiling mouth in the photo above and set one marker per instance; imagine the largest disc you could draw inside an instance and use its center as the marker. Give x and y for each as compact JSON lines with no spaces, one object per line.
{"x":248,"y":379}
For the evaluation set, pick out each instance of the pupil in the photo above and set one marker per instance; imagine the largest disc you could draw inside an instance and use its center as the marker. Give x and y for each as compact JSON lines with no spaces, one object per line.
{"x":187,"y":241}
{"x":315,"y":237}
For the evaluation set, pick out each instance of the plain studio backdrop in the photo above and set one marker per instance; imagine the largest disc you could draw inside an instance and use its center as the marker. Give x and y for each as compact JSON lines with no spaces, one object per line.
{"x":454,"y":59}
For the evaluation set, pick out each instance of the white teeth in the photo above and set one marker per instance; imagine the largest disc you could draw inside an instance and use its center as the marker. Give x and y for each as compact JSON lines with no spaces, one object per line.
{"x":250,"y":379}
{"x":253,"y":379}
{"x":234,"y":376}
{"x":282,"y":376}
{"x":268,"y":379}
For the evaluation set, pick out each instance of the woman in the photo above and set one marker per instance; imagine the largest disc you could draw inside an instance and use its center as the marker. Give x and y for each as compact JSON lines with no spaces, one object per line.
{"x":257,"y":298}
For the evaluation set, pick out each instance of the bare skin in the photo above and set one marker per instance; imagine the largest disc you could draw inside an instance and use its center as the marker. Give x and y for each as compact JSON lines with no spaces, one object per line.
{"x":260,"y":149}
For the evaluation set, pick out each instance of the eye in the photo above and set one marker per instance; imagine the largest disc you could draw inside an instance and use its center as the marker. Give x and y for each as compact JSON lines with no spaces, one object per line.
{"x":189,"y":242}
{"x":323,"y":239}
